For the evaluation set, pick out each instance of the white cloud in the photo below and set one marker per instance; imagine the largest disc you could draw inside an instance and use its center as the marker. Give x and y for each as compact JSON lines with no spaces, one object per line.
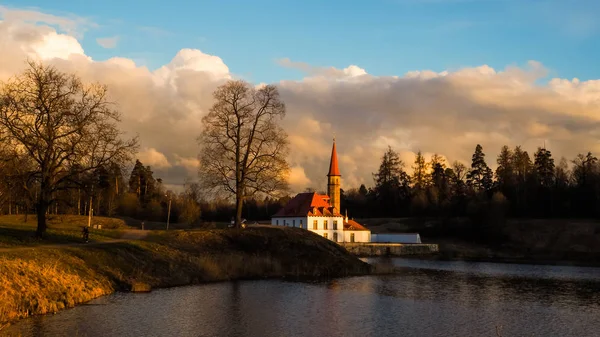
{"x":72,"y":24}
{"x":108,"y":42}
{"x":445,"y":112}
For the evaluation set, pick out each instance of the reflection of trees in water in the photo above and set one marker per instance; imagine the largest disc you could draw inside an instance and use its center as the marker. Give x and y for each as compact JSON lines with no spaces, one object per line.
{"x":476,"y":289}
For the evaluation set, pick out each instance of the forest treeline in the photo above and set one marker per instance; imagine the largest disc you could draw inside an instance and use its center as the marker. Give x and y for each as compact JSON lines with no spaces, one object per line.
{"x":522,"y":186}
{"x":138,"y":194}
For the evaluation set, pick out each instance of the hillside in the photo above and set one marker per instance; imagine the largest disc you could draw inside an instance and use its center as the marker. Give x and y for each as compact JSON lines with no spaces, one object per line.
{"x":52,"y":277}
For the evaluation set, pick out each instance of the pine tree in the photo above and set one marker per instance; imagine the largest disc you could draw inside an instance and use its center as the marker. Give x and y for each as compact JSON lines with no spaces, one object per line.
{"x":544,"y":167}
{"x":479,"y":177}
{"x":420,"y":177}
{"x":505,"y":170}
{"x":391,"y":182}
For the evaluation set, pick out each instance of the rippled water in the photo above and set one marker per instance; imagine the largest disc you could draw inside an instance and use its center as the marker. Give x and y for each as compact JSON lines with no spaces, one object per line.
{"x":426,"y":299}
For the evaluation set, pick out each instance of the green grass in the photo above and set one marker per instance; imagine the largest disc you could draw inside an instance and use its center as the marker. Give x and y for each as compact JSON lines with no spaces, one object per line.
{"x":15,"y":232}
{"x":50,"y":278}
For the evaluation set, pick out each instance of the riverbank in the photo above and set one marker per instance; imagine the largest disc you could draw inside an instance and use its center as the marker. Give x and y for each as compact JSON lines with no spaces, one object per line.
{"x":45,"y":279}
{"x":457,"y":250}
{"x":573,"y":242}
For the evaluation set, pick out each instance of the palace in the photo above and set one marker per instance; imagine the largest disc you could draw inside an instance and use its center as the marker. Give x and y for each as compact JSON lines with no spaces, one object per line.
{"x":321,"y":214}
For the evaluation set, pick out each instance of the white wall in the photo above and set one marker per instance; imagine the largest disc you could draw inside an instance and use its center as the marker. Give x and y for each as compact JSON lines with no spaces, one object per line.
{"x":297,"y":222}
{"x":329,"y":231}
{"x":396,"y":238}
{"x":359,"y":236}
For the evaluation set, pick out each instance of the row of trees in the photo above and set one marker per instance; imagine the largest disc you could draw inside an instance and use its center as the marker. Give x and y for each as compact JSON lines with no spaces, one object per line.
{"x":528,"y":187}
{"x":61,"y":151}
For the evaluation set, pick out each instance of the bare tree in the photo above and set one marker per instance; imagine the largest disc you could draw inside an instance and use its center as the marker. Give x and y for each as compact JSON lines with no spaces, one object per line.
{"x":243,"y":149}
{"x":65,"y":127}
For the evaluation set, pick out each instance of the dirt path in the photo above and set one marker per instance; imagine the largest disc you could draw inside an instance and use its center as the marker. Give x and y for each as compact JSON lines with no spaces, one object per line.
{"x":129,"y":235}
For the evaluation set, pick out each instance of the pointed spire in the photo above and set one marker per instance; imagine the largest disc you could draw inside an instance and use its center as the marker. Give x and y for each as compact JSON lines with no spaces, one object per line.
{"x":333,"y":164}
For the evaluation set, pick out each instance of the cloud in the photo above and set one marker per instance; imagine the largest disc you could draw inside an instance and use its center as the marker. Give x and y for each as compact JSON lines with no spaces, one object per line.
{"x":153,"y":158}
{"x":445,"y":112}
{"x":323,"y":72}
{"x":108,"y":42}
{"x":72,"y":25}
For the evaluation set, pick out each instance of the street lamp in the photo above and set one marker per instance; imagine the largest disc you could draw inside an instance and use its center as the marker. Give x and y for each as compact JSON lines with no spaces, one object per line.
{"x":169,"y":211}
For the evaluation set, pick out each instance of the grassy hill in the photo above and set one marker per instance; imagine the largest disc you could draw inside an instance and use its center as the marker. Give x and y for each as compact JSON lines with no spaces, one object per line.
{"x":38,"y":277}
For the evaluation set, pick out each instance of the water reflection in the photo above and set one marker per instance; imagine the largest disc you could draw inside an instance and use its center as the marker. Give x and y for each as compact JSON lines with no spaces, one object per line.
{"x":425,"y":299}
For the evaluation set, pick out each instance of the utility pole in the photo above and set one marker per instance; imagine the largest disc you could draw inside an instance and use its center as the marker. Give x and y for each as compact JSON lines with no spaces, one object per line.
{"x":168,"y":212}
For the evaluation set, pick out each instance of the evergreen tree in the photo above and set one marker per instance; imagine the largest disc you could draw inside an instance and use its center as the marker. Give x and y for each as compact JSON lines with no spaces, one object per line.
{"x":420,"y":177}
{"x":505,"y":172}
{"x":544,"y":167}
{"x":479,"y":177}
{"x":391,"y":182}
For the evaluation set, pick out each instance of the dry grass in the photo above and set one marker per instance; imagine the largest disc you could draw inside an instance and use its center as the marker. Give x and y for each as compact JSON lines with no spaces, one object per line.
{"x":48,"y":279}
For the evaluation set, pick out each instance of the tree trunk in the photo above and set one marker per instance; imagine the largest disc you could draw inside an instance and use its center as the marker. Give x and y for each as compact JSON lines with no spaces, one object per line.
{"x":239,"y":202}
{"x":42,"y":207}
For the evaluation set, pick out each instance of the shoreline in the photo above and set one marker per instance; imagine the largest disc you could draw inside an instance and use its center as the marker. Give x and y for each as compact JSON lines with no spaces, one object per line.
{"x":531,"y":260}
{"x":50,"y":279}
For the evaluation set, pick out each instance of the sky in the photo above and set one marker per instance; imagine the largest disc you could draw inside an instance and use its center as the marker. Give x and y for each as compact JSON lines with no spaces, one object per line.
{"x":438,"y":76}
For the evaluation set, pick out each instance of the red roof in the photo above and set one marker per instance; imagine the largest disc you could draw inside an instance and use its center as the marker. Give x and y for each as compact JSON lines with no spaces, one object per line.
{"x":352,"y":225}
{"x":308,"y":204}
{"x":333,"y":164}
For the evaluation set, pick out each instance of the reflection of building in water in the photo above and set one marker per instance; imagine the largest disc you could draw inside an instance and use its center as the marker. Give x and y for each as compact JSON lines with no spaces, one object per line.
{"x":321,"y":214}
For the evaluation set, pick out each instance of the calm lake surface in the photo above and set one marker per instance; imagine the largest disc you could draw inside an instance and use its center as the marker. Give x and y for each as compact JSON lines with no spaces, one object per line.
{"x":428,"y":298}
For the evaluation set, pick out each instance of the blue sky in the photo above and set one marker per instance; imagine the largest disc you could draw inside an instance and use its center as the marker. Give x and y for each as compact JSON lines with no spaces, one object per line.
{"x":385,"y":37}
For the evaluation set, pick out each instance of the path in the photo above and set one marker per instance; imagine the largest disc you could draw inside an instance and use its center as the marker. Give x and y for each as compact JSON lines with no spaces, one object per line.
{"x":132,"y":234}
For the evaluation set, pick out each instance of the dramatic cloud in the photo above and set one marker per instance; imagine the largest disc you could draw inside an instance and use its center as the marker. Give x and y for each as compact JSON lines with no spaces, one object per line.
{"x":108,"y":42}
{"x":436,"y":112}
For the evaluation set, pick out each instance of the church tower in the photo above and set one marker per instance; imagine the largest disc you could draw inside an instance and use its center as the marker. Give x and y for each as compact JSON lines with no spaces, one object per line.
{"x":333,"y":180}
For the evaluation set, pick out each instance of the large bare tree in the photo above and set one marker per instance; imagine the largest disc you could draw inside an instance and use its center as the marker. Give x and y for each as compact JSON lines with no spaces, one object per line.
{"x":65,"y":127}
{"x":243,"y":148}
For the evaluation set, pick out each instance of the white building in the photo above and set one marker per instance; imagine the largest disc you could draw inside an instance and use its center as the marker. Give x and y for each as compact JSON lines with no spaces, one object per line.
{"x":321,"y":213}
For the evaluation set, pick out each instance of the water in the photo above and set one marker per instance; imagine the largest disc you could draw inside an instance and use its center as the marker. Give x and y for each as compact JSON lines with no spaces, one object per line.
{"x":428,"y":298}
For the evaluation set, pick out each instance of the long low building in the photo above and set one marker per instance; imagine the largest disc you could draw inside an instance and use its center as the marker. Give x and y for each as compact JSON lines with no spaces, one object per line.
{"x":321,"y":214}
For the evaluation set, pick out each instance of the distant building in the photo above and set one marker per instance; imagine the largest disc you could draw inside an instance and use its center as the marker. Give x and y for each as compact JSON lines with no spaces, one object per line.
{"x":321,"y":213}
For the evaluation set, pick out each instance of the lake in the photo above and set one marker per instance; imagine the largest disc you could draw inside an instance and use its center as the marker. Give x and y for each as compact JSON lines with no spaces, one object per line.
{"x":427,"y":298}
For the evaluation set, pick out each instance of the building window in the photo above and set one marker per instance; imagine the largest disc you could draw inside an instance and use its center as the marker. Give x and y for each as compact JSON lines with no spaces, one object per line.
{"x":335,"y":237}
{"x":301,"y":223}
{"x":293,"y":223}
{"x":277,"y":222}
{"x":325,"y":235}
{"x":325,"y":224}
{"x":334,"y":225}
{"x":316,"y":224}
{"x":351,"y":237}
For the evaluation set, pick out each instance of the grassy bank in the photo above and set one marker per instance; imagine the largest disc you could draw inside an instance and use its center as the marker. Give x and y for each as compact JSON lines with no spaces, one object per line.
{"x":48,"y":279}
{"x":19,"y":231}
